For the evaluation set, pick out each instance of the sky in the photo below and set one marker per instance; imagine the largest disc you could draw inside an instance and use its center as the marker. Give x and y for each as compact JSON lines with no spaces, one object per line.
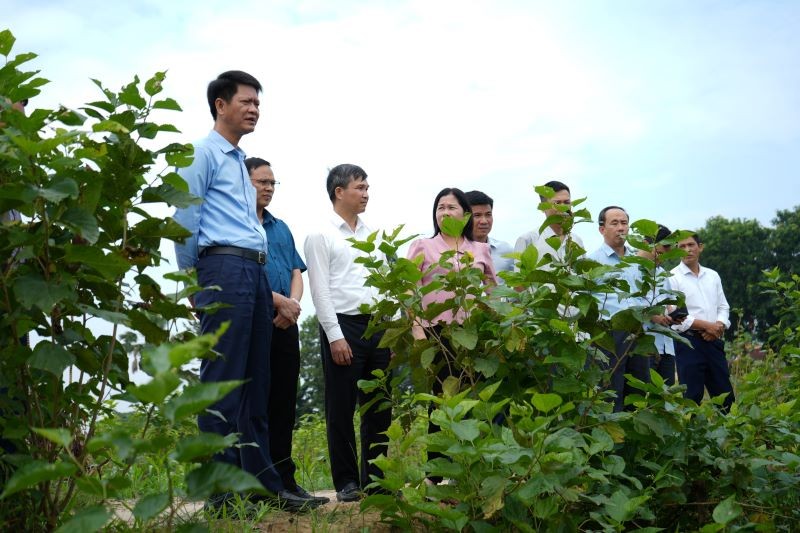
{"x":677,"y":111}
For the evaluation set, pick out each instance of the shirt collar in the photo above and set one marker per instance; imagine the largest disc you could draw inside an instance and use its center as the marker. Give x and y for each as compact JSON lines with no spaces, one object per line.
{"x":267,"y":217}
{"x":223,"y":144}
{"x":683,"y":269}
{"x":340,"y":223}
{"x":609,"y":251}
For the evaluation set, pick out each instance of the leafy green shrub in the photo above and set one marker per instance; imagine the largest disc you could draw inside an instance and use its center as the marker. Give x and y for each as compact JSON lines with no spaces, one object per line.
{"x":76,"y":278}
{"x":528,"y":438}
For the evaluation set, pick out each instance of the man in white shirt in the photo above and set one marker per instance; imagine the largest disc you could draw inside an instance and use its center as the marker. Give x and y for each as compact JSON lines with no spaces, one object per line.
{"x":482,"y":221}
{"x":703,"y":365}
{"x":562,"y":197}
{"x":337,"y":289}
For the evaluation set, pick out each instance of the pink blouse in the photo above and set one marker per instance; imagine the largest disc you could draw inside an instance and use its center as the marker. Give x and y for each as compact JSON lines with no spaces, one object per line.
{"x":431,"y":250}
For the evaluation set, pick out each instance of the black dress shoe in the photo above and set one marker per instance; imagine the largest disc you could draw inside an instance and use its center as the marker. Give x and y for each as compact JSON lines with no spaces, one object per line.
{"x":350,"y":493}
{"x":303,"y":493}
{"x":292,"y":502}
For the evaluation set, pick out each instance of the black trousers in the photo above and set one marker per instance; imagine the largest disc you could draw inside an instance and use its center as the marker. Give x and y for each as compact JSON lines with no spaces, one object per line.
{"x":342,"y":394}
{"x":244,"y":352}
{"x":704,"y":366}
{"x":282,"y":409}
{"x":447,"y":366}
{"x":623,"y":363}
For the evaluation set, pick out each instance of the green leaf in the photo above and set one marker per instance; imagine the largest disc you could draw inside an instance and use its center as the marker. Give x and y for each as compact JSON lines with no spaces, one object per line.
{"x":203,"y":445}
{"x":454,"y":226}
{"x":82,"y":222}
{"x":7,"y":40}
{"x":33,"y":291}
{"x":427,"y":356}
{"x":487,"y":365}
{"x":395,"y":432}
{"x":110,"y":266}
{"x":89,"y":519}
{"x":488,"y":391}
{"x":60,"y":189}
{"x":157,"y":389}
{"x":111,"y":126}
{"x":150,"y":506}
{"x":60,"y":436}
{"x":491,"y":493}
{"x":153,"y":86}
{"x":195,"y":398}
{"x":466,"y":430}
{"x":34,"y":473}
{"x":130,"y":95}
{"x":167,"y":103}
{"x":466,"y":338}
{"x":546,"y":402}
{"x":51,"y":358}
{"x":727,"y":510}
{"x":214,"y":477}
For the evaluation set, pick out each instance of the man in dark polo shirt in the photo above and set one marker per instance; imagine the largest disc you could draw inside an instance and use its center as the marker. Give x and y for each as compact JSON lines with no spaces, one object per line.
{"x":285,"y":271}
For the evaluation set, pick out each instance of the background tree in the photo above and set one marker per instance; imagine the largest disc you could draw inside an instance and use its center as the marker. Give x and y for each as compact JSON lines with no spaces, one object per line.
{"x":311,"y":392}
{"x":738,"y":249}
{"x":784,"y":240}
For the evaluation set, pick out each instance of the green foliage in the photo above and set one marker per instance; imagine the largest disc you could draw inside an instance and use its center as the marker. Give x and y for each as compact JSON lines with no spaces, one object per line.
{"x":527,"y":438}
{"x":75,"y":280}
{"x":741,"y":250}
{"x":311,"y":392}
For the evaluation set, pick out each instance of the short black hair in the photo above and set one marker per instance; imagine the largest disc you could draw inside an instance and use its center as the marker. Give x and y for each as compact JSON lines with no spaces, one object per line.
{"x":479,"y":198}
{"x":697,"y":238}
{"x":341,"y":175}
{"x":601,"y":218}
{"x":252,"y":163}
{"x":556,"y":186}
{"x":462,"y":201}
{"x":662,"y":233}
{"x":226,"y":85}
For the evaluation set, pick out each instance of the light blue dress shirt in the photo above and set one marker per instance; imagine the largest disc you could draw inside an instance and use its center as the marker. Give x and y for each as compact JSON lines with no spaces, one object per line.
{"x":501,"y":264}
{"x":611,"y":302}
{"x":227,"y":216}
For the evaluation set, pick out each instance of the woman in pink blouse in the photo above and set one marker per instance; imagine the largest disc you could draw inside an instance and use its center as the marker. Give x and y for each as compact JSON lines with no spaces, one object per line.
{"x":449,"y":202}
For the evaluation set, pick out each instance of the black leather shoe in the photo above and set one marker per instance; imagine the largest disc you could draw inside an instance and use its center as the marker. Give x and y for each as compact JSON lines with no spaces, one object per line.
{"x":350,"y":493}
{"x":303,"y":493}
{"x":289,"y":501}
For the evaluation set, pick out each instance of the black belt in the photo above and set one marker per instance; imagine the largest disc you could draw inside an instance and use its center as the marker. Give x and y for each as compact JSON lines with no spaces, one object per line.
{"x":258,"y":257}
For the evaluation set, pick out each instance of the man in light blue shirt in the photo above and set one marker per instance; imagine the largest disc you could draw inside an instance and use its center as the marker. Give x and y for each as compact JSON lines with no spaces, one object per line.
{"x":613,"y":226}
{"x":228,"y":248}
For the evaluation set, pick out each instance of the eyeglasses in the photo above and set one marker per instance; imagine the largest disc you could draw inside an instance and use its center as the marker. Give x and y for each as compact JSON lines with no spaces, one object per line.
{"x":265,"y":183}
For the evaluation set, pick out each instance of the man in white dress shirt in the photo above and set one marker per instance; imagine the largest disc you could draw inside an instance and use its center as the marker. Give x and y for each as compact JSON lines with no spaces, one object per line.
{"x":562,"y":196}
{"x":482,"y":221}
{"x":703,"y":365}
{"x":338,"y":291}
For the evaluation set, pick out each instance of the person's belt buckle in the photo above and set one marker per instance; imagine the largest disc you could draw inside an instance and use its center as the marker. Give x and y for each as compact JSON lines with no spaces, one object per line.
{"x":262,"y":258}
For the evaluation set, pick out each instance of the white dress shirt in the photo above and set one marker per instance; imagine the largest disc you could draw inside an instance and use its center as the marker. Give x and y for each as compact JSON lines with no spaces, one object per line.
{"x":335,"y":279}
{"x":704,"y":296}
{"x":539,"y":240}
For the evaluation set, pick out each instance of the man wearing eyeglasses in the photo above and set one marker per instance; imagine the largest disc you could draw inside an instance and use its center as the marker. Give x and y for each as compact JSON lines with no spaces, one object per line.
{"x":285,"y":271}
